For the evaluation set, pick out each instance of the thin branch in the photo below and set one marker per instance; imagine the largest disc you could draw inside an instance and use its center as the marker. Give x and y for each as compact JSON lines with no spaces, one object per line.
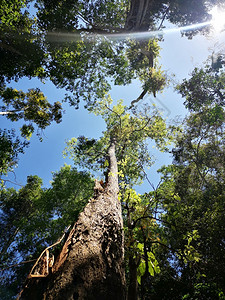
{"x":13,"y":174}
{"x":83,"y":19}
{"x":171,"y":249}
{"x":142,"y":127}
{"x":9,"y":48}
{"x":12,"y":182}
{"x":197,"y":158}
{"x":15,"y":265}
{"x":9,"y":241}
{"x":97,"y":29}
{"x":150,"y":217}
{"x":10,"y":112}
{"x":139,"y":98}
{"x":220,"y":95}
{"x":168,"y":247}
{"x":148,"y":180}
{"x":163,"y":19}
{"x":115,"y":113}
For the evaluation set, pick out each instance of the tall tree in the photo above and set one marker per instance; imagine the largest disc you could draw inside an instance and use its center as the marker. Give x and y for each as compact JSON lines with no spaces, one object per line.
{"x":83,"y":67}
{"x":91,"y":261}
{"x":193,"y":198}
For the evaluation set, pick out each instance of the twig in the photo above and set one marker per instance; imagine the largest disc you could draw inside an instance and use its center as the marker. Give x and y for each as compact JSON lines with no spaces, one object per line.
{"x":163,"y":19}
{"x":15,"y":265}
{"x":83,"y":19}
{"x":114,"y":113}
{"x":12,"y":182}
{"x":150,"y":217}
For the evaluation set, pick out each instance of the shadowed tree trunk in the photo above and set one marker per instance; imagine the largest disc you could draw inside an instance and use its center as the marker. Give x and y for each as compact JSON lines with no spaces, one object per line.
{"x":133,"y":284}
{"x":132,"y":264}
{"x":90,"y":265}
{"x":138,"y":18}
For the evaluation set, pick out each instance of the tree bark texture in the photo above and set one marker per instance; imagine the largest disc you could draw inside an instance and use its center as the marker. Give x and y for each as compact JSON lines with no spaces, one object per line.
{"x":91,"y":263}
{"x":138,"y":18}
{"x":133,"y":284}
{"x":133,"y":263}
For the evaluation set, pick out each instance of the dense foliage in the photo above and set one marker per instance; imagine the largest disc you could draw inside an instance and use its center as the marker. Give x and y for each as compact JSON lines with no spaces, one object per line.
{"x":174,"y":235}
{"x":192,"y":197}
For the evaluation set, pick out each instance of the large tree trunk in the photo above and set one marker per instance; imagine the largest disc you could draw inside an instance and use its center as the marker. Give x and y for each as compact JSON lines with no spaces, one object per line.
{"x":133,"y":284}
{"x":91,"y":263}
{"x":138,"y":18}
{"x":133,"y":262}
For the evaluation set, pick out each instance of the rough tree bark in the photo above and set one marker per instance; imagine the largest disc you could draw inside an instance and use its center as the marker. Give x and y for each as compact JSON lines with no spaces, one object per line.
{"x":138,"y":18}
{"x":91,"y":263}
{"x":132,"y":264}
{"x":133,"y":284}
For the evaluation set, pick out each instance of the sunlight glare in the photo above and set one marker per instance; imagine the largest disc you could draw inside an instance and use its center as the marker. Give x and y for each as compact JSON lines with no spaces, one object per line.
{"x":218,"y":19}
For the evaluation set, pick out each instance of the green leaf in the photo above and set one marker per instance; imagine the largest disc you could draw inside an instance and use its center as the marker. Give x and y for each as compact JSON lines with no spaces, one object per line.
{"x":140,"y":270}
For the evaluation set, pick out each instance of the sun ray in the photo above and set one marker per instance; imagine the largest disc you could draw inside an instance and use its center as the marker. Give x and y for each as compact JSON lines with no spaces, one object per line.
{"x":63,"y":36}
{"x":218,"y":19}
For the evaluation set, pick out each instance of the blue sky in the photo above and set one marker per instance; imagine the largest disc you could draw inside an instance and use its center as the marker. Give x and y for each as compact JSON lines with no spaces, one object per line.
{"x":178,"y":56}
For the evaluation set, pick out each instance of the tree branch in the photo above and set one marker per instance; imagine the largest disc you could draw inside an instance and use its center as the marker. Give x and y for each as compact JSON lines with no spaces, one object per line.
{"x":12,"y":182}
{"x":116,"y":114}
{"x":83,"y":19}
{"x":10,"y":112}
{"x":15,"y":265}
{"x":163,"y":19}
{"x":150,"y":217}
{"x":139,"y":98}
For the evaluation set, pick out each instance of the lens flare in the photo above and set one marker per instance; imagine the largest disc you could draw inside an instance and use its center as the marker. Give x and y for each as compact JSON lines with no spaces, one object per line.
{"x":218,"y":19}
{"x":63,"y":36}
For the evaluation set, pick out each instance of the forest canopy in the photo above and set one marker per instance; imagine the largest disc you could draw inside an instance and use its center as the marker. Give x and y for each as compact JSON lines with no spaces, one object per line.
{"x":90,"y":225}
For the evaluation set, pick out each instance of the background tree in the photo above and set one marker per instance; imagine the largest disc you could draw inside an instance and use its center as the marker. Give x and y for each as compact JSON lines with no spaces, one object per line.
{"x":141,"y":233}
{"x":125,"y":138}
{"x":33,"y":218}
{"x":205,"y":88}
{"x":10,"y":147}
{"x":90,"y":21}
{"x":192,"y":192}
{"x":32,"y":107}
{"x":22,"y":52}
{"x":194,"y":204}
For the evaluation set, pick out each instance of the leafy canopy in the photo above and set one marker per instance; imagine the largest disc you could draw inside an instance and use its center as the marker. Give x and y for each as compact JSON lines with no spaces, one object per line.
{"x":132,"y":133}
